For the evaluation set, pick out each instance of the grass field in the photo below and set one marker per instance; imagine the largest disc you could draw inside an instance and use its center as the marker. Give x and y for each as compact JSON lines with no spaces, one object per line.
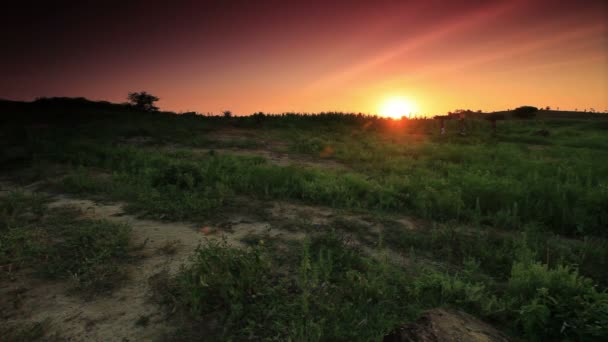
{"x":510,"y":227}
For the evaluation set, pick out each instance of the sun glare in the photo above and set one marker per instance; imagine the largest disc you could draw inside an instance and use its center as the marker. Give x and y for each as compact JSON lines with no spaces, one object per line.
{"x":397,"y":107}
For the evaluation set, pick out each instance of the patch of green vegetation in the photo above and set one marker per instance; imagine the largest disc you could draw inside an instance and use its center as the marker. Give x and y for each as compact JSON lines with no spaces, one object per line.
{"x":495,"y":251}
{"x":474,"y":178}
{"x":329,"y":290}
{"x":58,"y":244}
{"x":553,"y":304}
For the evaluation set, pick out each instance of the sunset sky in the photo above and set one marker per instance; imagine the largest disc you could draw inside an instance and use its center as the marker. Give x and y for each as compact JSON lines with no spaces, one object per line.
{"x":310,"y":56}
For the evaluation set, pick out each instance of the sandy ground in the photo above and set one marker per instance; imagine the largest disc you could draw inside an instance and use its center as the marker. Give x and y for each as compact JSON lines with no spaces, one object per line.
{"x":112,"y":317}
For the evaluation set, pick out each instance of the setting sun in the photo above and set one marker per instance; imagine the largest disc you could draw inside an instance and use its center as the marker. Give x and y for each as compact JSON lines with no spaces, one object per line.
{"x":397,"y":107}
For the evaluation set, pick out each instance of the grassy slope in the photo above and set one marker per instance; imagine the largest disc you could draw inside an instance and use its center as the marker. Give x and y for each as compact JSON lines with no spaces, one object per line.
{"x":508,"y":213}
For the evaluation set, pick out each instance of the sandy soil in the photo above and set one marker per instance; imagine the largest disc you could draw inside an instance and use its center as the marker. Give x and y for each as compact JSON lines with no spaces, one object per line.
{"x":441,"y":325}
{"x":112,"y":317}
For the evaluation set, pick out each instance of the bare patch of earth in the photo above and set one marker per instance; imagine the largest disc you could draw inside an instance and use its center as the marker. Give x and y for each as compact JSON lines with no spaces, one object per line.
{"x":274,"y":157}
{"x":442,"y":325}
{"x":273,"y":150}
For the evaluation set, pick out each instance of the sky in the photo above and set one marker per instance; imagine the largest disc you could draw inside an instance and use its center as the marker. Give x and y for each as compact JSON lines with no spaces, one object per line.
{"x":310,"y":56}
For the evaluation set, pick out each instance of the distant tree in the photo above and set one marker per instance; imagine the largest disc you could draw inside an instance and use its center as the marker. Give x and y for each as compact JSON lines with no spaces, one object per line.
{"x":143,"y":101}
{"x":525,"y":112}
{"x":548,"y":108}
{"x":258,"y":117}
{"x":227,"y":114}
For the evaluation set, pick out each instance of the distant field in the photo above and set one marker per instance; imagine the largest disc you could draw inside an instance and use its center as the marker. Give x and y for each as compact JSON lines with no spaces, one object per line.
{"x":335,"y":226}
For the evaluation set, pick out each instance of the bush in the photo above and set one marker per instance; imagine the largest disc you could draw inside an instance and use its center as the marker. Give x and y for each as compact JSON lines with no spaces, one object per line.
{"x":557,"y":304}
{"x":325,"y":290}
{"x":183,"y":175}
{"x":525,"y":112}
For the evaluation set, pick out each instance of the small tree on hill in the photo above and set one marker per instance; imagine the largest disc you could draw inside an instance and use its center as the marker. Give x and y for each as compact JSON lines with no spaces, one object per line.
{"x":143,"y":101}
{"x":525,"y":112}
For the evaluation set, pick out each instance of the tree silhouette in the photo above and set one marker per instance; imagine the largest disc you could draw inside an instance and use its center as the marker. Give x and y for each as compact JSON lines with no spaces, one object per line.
{"x":143,"y":101}
{"x":525,"y":112}
{"x":227,"y":114}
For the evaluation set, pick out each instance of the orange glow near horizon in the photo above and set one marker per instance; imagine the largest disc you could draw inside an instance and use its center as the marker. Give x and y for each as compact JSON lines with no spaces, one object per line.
{"x":313,"y":56}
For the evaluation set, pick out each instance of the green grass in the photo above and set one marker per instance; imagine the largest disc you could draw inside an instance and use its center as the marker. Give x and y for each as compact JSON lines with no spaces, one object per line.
{"x":328,"y":290}
{"x":57,"y":244}
{"x":502,"y":181}
{"x":514,"y":224}
{"x":503,"y":187}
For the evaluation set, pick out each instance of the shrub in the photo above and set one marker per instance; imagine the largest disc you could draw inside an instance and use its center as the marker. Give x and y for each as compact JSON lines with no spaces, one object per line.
{"x":557,"y":304}
{"x":183,"y":175}
{"x":525,"y":112}
{"x":325,"y":290}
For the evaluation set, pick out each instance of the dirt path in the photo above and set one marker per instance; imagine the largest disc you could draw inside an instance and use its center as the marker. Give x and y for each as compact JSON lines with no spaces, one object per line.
{"x":112,"y":317}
